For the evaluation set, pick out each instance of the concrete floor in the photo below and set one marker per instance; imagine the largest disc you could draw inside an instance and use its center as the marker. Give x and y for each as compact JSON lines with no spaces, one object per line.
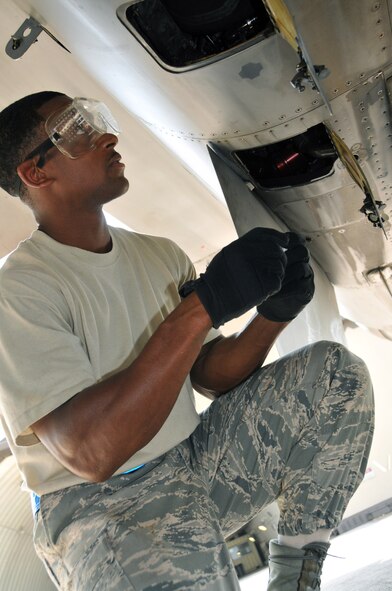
{"x":360,"y":560}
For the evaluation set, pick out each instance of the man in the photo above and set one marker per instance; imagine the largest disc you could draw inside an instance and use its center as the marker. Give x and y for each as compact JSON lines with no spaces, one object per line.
{"x":98,"y":355}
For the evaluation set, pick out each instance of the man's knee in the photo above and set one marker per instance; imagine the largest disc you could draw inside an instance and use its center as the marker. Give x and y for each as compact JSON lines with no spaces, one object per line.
{"x":352,"y":371}
{"x":330,"y":350}
{"x":337,"y":353}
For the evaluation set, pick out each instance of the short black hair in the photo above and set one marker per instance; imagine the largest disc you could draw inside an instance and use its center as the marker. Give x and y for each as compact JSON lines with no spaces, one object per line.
{"x":18,"y":130}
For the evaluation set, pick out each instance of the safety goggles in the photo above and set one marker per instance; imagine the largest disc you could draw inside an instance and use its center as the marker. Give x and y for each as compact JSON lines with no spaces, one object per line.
{"x":75,"y":129}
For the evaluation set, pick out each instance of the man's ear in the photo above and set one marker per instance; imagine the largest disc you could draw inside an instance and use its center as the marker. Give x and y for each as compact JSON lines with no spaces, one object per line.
{"x":33,"y":176}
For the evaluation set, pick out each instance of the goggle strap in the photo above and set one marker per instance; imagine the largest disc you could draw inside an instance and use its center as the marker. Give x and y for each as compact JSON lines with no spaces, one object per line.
{"x":41,"y":150}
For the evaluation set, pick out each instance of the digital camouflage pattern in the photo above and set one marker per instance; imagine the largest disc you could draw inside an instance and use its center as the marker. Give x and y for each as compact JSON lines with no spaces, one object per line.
{"x":298,"y":430}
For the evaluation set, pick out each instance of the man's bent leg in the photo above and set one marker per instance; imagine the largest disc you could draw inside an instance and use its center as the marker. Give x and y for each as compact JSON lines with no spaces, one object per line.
{"x":298,"y":431}
{"x":339,"y":467}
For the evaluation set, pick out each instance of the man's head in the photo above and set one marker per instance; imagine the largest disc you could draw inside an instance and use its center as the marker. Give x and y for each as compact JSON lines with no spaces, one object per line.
{"x":40,"y":136}
{"x":20,"y":126}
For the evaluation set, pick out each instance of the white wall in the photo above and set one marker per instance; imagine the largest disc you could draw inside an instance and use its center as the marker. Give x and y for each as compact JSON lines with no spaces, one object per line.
{"x":377,"y":353}
{"x":20,"y":568}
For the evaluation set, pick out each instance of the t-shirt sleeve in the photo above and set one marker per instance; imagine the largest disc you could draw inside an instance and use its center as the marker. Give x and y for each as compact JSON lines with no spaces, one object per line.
{"x":42,"y":363}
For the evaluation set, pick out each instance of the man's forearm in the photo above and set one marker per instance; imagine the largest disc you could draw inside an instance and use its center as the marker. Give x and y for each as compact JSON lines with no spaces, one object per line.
{"x":227,"y":362}
{"x":96,"y":431}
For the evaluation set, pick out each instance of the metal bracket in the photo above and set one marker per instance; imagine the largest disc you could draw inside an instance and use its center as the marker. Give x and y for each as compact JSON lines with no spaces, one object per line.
{"x":24,"y":37}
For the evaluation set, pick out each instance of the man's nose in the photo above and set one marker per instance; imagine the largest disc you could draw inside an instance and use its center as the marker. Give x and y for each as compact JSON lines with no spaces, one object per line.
{"x":107,"y":140}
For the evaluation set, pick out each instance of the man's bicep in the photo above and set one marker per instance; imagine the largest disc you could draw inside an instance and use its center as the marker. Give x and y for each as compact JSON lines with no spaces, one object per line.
{"x":44,"y":426}
{"x":54,"y":430}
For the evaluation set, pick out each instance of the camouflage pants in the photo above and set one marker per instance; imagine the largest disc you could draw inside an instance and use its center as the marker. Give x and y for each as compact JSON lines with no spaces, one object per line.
{"x":298,"y":430}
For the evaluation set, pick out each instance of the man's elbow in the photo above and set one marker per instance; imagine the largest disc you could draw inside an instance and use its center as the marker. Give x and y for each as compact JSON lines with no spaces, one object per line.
{"x":94,"y":476}
{"x":78,"y":458}
{"x":88,"y":462}
{"x":89,"y":469}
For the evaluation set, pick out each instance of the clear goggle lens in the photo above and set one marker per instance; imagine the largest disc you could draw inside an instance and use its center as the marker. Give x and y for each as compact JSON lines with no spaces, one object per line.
{"x":74,"y":130}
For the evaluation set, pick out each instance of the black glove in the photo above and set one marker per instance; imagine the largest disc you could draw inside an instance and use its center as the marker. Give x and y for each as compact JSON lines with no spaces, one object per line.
{"x":241,"y":275}
{"x":297,"y":286}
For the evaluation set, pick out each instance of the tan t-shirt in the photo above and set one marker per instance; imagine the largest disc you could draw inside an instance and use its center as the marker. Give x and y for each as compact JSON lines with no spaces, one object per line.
{"x":70,"y":318}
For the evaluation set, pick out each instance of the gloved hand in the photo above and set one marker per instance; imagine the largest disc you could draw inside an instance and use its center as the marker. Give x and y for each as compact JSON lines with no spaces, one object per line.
{"x":241,"y":275}
{"x":297,"y":286}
